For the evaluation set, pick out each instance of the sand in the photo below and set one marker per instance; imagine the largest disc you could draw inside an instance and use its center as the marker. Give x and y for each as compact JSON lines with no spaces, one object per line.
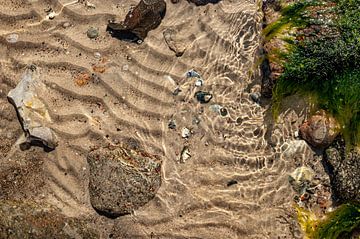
{"x":126,"y":96}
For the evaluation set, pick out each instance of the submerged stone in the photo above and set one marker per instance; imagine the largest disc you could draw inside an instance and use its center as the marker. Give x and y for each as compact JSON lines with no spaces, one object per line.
{"x":170,"y":39}
{"x":301,"y":178}
{"x":203,"y":97}
{"x":122,"y":179}
{"x":146,"y":16}
{"x":32,"y":112}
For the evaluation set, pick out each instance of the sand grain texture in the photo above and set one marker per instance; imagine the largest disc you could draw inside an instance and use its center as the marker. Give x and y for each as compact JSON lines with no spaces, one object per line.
{"x":130,"y":101}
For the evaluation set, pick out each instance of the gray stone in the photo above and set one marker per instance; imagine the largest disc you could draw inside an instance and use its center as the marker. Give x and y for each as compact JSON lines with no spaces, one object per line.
{"x":344,"y":168}
{"x":92,"y":33}
{"x":32,"y":112}
{"x":122,"y":179}
{"x":301,"y":179}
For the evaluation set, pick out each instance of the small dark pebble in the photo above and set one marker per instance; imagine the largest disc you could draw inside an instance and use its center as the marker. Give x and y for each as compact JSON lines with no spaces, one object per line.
{"x":239,"y":120}
{"x":176,"y":91}
{"x":203,"y":97}
{"x":231,"y":182}
{"x":223,"y":112}
{"x":172,"y":124}
{"x":255,"y":97}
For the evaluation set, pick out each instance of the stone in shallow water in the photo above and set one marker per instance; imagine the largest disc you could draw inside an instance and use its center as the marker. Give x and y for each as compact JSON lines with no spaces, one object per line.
{"x":146,"y":16}
{"x":32,"y":112}
{"x":174,"y":45}
{"x":203,"y":2}
{"x":122,"y":179}
{"x":301,"y":178}
{"x":203,"y":97}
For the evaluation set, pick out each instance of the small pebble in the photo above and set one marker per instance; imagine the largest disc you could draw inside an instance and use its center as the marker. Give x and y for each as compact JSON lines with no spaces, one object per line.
{"x":97,"y":55}
{"x":231,"y":182}
{"x":255,"y":97}
{"x":203,"y":97}
{"x":12,"y":38}
{"x":125,"y":67}
{"x":92,"y":33}
{"x":51,"y":15}
{"x":199,"y":82}
{"x":192,"y":73}
{"x":176,"y":91}
{"x":139,"y":41}
{"x":185,"y":132}
{"x":66,"y":25}
{"x":223,"y":112}
{"x":185,"y":154}
{"x":172,"y":124}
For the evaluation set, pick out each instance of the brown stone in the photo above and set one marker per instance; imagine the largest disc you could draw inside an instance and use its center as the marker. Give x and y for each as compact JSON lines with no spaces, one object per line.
{"x":122,"y":179}
{"x":146,"y":16}
{"x":320,"y":130}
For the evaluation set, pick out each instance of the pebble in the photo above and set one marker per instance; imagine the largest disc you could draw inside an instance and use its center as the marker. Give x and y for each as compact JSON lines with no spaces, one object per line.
{"x":51,"y":15}
{"x":185,"y":132}
{"x":203,"y":97}
{"x":185,"y":154}
{"x":255,"y":97}
{"x":125,"y":67}
{"x":12,"y":38}
{"x":223,"y":112}
{"x":66,"y":25}
{"x":172,"y":124}
{"x":193,"y":73}
{"x":92,"y":33}
{"x":199,"y":82}
{"x":97,"y":55}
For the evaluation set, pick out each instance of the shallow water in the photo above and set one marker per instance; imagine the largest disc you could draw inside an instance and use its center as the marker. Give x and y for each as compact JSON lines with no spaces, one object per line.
{"x":133,"y":102}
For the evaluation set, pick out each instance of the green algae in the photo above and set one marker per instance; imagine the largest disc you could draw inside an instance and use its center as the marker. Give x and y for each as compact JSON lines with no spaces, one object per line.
{"x":337,"y":224}
{"x":327,"y":67}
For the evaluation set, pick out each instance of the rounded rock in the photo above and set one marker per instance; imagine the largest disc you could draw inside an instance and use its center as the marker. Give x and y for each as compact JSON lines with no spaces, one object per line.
{"x":92,"y":33}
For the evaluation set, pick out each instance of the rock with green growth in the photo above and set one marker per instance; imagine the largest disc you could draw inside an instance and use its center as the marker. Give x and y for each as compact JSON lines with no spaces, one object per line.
{"x":122,"y":179}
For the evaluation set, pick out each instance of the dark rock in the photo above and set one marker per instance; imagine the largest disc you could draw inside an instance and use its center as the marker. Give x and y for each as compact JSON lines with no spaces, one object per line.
{"x":146,"y":16}
{"x":203,"y":2}
{"x":176,"y":46}
{"x":231,"y":182}
{"x":223,"y":112}
{"x":344,"y":169}
{"x":122,"y":179}
{"x":320,"y":130}
{"x":172,"y":124}
{"x":255,"y":97}
{"x":175,"y":1}
{"x":203,"y":97}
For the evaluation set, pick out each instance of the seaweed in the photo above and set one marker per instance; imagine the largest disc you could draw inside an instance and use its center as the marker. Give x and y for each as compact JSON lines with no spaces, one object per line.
{"x":337,"y":224}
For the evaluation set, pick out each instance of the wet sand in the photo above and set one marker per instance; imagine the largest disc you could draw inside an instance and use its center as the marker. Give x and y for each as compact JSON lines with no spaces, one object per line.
{"x":235,"y":185}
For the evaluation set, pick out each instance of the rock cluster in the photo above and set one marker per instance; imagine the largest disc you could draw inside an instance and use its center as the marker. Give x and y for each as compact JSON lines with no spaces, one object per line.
{"x":122,"y":179}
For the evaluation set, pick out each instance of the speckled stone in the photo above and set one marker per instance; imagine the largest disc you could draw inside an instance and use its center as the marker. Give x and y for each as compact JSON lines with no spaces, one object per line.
{"x":122,"y":179}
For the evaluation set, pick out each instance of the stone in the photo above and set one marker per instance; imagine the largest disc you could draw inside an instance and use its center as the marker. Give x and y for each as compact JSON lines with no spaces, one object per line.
{"x":255,"y":97}
{"x":32,"y":112}
{"x":320,"y":130}
{"x":301,"y":179}
{"x":344,"y":168}
{"x":193,"y":73}
{"x":146,"y":16}
{"x":170,"y":39}
{"x":122,"y":179}
{"x":203,"y":2}
{"x":185,"y":154}
{"x":223,"y":112}
{"x":203,"y":97}
{"x":172,"y":124}
{"x":92,"y":33}
{"x":12,"y":38}
{"x":185,"y":133}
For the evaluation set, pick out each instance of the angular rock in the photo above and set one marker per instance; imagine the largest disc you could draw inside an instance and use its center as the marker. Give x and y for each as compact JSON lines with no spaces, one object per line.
{"x":203,"y":97}
{"x":122,"y":179}
{"x":203,"y":2}
{"x":32,"y":112}
{"x":344,"y":168}
{"x":301,"y":178}
{"x":170,"y":39}
{"x":146,"y":16}
{"x":320,"y":130}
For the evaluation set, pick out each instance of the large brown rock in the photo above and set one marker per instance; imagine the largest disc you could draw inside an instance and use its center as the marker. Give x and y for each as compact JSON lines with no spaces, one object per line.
{"x":320,"y":130}
{"x":122,"y":179}
{"x":146,"y":16}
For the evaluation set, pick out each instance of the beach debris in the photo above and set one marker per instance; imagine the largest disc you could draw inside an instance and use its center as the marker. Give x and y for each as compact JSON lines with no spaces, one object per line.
{"x":203,"y":2}
{"x":12,"y":38}
{"x":203,"y":97}
{"x":172,"y":124}
{"x":319,"y":130}
{"x":82,"y":79}
{"x":92,"y":33}
{"x":255,"y":96}
{"x":170,"y":39}
{"x":122,"y":179}
{"x":32,"y":112}
{"x":146,"y":16}
{"x":345,"y":173}
{"x":185,"y":133}
{"x":231,"y":182}
{"x":301,"y":179}
{"x":185,"y":154}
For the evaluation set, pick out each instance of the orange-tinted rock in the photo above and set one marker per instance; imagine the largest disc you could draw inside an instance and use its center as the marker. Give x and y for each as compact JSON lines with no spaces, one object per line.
{"x":320,"y":130}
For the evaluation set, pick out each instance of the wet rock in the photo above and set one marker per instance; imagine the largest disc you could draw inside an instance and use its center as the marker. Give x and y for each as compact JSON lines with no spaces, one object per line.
{"x":92,"y":33}
{"x":301,"y":179}
{"x":203,"y":97}
{"x":185,"y":133}
{"x":170,"y":39}
{"x":32,"y":112}
{"x":122,"y":179}
{"x":29,"y":219}
{"x":146,"y":16}
{"x":344,"y":168}
{"x":203,"y":2}
{"x":320,"y":130}
{"x":256,"y":97}
{"x":185,"y":154}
